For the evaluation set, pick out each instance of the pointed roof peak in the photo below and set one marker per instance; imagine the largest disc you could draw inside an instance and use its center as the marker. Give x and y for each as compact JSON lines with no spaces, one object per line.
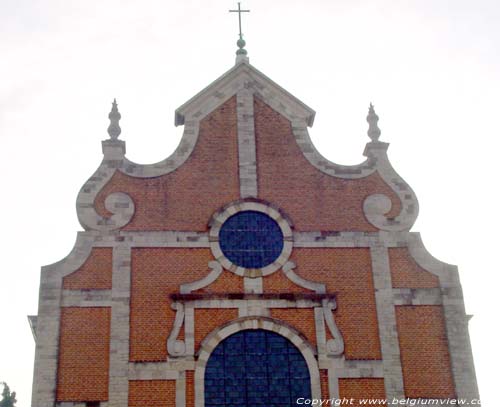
{"x":243,"y":75}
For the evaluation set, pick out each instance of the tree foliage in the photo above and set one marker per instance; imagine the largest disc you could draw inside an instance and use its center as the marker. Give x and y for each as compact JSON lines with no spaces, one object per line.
{"x":8,"y":398}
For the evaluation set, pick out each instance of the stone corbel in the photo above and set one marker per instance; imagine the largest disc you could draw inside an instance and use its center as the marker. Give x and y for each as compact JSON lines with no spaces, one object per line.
{"x":177,"y":347}
{"x":335,"y":346}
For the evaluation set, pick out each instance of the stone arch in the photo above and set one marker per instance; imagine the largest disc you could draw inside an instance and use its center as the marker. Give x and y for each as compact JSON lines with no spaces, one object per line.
{"x":253,"y":323}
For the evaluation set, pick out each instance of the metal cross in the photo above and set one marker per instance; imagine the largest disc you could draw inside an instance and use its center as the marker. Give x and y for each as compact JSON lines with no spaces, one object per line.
{"x":239,"y":11}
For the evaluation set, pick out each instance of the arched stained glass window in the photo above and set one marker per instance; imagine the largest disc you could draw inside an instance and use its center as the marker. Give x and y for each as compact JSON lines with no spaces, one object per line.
{"x":256,"y":368}
{"x":251,"y":239}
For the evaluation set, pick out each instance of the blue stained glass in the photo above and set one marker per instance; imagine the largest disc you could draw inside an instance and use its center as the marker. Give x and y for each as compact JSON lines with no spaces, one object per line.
{"x":256,"y":368}
{"x":251,"y":239}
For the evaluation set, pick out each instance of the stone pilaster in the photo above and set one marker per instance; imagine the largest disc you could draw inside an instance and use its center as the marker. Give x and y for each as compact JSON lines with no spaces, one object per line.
{"x":462,"y":363}
{"x":47,"y":344}
{"x":120,"y":326}
{"x":246,"y":144}
{"x":393,"y":373}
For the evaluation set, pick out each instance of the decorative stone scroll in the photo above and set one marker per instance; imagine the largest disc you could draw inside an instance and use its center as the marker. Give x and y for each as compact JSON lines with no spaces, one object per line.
{"x":254,"y":305}
{"x":334,"y":346}
{"x":177,"y":347}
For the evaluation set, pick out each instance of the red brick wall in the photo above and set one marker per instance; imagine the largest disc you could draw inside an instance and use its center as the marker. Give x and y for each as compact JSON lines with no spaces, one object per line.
{"x":95,"y":273}
{"x":157,"y":273}
{"x":186,"y":198}
{"x":312,"y":199}
{"x":278,"y":282}
{"x":424,"y":352}
{"x":206,"y":320}
{"x":151,"y":393}
{"x":348,"y":273}
{"x":83,"y":369}
{"x":357,"y":389}
{"x":227,"y":282}
{"x":406,"y":273}
{"x":302,"y":319}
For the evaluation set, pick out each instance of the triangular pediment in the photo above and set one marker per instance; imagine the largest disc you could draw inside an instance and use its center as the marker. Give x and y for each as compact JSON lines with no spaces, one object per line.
{"x":243,"y":75}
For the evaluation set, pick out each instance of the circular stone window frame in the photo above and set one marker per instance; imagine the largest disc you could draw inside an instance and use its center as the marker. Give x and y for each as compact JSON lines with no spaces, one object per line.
{"x":220,"y":217}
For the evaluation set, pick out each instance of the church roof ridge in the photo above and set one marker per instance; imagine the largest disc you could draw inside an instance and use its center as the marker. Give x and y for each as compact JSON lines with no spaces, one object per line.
{"x":224,"y":87}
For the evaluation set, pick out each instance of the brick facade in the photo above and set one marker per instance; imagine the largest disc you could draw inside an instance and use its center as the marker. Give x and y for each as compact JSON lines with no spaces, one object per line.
{"x":406,"y":273}
{"x":286,"y":179}
{"x":347,"y":272}
{"x":155,"y":273}
{"x":151,"y":393}
{"x":83,"y":367}
{"x":186,"y":198}
{"x":134,"y":313}
{"x":425,"y":356}
{"x":359,"y":389}
{"x":95,"y":274}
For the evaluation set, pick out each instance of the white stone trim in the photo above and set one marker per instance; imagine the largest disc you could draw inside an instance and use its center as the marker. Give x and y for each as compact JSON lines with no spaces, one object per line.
{"x":417,"y":296}
{"x":120,"y":327}
{"x":246,"y":82}
{"x":180,"y":390}
{"x":86,"y":298}
{"x":52,"y":296}
{"x":334,"y":346}
{"x":318,"y":239}
{"x":247,"y":160}
{"x":152,"y":371}
{"x":387,"y":329}
{"x":47,"y":344}
{"x":269,"y":324}
{"x":205,"y":281}
{"x":253,"y":285}
{"x":301,"y":282}
{"x":166,"y":239}
{"x":177,"y":347}
{"x":456,"y":320}
{"x":246,"y":303}
{"x":447,"y":273}
{"x":244,"y":75}
{"x":377,"y":206}
{"x":250,"y":205}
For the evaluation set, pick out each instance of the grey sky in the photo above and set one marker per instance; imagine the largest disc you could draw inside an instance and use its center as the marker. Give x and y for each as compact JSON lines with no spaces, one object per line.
{"x":431,"y":68}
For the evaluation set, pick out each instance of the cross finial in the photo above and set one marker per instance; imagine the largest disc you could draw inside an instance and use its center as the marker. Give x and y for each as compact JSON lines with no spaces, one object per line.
{"x":242,"y":52}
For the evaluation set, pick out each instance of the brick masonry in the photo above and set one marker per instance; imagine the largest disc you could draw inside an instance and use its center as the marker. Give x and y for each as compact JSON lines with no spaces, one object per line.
{"x":84,"y":331}
{"x":424,"y":352}
{"x":186,"y":198}
{"x":406,"y":273}
{"x":95,"y":274}
{"x":357,"y":389}
{"x":354,"y":290}
{"x":347,"y":272}
{"x":151,"y":393}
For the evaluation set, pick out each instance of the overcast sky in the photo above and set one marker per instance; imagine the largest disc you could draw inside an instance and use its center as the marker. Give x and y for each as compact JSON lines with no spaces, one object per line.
{"x":431,"y":68}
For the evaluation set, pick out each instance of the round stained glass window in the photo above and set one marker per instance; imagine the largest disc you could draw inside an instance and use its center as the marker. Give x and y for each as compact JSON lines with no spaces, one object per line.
{"x":251,"y":239}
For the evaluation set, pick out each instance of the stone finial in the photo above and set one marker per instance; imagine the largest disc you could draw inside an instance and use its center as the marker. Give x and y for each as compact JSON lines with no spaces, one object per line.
{"x":372,"y":119}
{"x":241,"y":47}
{"x":114,"y":129}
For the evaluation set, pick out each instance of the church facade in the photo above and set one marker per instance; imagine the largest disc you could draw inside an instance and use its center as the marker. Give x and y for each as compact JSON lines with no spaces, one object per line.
{"x":248,"y":270}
